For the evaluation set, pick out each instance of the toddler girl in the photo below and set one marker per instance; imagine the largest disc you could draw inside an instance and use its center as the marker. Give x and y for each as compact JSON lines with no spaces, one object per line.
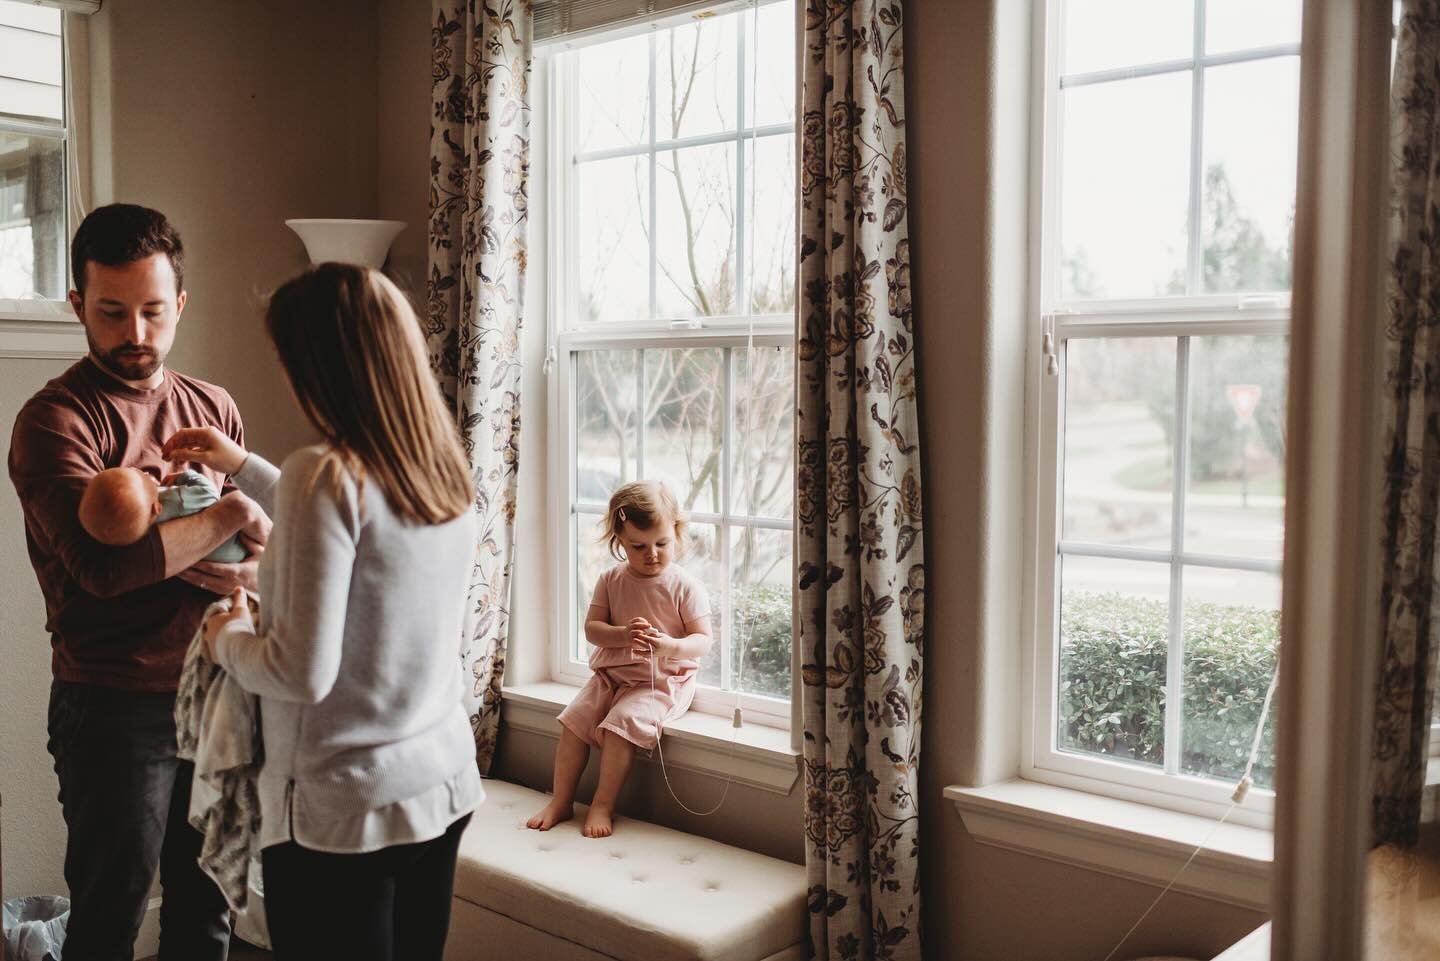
{"x":644,"y":611}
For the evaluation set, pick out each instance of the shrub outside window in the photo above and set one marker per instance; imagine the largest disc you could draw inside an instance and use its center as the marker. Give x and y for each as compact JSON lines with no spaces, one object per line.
{"x":1166,"y":224}
{"x":33,"y":229}
{"x":672,"y":159}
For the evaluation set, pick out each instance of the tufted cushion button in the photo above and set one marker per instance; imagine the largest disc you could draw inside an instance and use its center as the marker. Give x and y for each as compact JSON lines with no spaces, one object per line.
{"x":616,"y":855}
{"x":712,"y":887}
{"x":637,"y":879}
{"x":687,"y":859}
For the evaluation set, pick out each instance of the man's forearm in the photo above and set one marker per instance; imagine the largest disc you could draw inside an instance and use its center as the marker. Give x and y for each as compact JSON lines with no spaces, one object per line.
{"x":190,"y":539}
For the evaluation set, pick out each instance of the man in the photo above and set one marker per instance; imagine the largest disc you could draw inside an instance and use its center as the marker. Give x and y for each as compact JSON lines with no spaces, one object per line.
{"x":121,"y":618}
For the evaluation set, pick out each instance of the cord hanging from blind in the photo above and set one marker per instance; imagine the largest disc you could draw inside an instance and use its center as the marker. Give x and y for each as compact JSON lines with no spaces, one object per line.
{"x":556,"y":19}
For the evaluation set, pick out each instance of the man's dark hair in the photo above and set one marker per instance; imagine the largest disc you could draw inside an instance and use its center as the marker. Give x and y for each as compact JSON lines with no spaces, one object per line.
{"x":120,"y":234}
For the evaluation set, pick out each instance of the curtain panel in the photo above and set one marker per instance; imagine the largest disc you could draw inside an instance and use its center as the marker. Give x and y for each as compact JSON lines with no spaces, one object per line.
{"x":1411,"y":417}
{"x":859,"y":541}
{"x":479,"y":173}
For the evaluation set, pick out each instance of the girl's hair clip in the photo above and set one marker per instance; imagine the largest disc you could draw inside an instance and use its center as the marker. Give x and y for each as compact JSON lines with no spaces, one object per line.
{"x":621,"y":513}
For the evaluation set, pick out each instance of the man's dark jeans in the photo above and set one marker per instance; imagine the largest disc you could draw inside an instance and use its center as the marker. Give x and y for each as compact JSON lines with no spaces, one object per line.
{"x":125,"y":794}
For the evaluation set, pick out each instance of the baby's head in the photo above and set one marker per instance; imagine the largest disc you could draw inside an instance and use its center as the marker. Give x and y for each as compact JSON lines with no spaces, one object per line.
{"x":118,"y":505}
{"x":644,"y":527}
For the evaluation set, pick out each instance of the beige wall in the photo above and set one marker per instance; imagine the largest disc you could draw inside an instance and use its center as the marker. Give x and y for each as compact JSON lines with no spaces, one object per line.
{"x":232,"y":117}
{"x":33,"y":833}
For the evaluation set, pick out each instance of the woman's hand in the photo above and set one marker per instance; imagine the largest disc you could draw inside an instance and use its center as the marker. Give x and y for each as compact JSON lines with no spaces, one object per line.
{"x":239,"y":611}
{"x":207,"y":446}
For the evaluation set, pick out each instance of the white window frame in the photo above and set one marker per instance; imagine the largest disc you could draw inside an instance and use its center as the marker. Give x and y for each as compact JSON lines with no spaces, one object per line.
{"x":1057,"y":322}
{"x":46,"y":311}
{"x":569,"y":520}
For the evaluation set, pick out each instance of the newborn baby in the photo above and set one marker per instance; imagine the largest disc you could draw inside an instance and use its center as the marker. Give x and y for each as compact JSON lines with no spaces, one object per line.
{"x":120,"y":504}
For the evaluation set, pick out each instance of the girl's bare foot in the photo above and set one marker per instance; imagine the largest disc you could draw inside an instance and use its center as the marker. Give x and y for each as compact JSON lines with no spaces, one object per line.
{"x":551,"y":815}
{"x":598,"y":821}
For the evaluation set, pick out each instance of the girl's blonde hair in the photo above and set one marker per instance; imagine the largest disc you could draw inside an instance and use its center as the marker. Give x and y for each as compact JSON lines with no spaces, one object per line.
{"x":354,"y":355}
{"x":644,"y":504}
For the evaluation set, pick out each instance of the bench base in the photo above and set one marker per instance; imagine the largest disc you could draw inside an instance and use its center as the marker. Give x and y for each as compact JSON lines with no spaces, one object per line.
{"x":479,"y":934}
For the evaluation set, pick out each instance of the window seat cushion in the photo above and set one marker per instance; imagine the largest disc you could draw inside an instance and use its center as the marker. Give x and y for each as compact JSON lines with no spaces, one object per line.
{"x":647,"y":893}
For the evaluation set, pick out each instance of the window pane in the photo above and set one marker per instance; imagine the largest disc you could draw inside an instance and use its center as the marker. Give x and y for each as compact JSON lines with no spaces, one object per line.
{"x":684,"y":405}
{"x":613,"y":239}
{"x":1236,"y":491}
{"x":592,"y":559}
{"x":697,"y":78}
{"x":613,"y":86}
{"x":1242,"y":24}
{"x":771,"y":80}
{"x":1114,"y":637}
{"x":606,"y":447}
{"x":1248,"y":206}
{"x":32,"y":217}
{"x":701,"y":558}
{"x":1124,"y":192}
{"x":769,"y":219}
{"x":31,"y":63}
{"x":696,"y":240}
{"x":763,"y":462}
{"x":1232,"y":633}
{"x":1100,"y":34}
{"x":762,"y":612}
{"x":1119,"y":423}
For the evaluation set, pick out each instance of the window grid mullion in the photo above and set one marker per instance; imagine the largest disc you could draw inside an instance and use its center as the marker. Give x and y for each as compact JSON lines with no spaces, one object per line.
{"x":741,"y":221}
{"x":1175,"y":647}
{"x":1193,"y":258}
{"x":727,"y":561}
{"x":654,"y":187}
{"x":642,"y":395}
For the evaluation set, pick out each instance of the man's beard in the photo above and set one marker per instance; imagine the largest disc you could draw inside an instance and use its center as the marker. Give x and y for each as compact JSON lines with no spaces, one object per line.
{"x":129,"y":362}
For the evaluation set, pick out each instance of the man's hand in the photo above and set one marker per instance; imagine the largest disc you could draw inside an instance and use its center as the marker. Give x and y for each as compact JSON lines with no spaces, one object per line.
{"x":207,"y":446}
{"x":239,"y":610}
{"x":220,"y":578}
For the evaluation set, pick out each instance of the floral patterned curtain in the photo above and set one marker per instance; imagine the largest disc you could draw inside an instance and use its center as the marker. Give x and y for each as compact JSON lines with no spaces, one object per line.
{"x":860,"y":548}
{"x":479,"y":173}
{"x":1411,"y":413}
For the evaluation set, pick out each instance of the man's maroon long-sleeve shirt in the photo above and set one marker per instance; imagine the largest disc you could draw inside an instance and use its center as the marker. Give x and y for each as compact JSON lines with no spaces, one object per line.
{"x":114,"y":618}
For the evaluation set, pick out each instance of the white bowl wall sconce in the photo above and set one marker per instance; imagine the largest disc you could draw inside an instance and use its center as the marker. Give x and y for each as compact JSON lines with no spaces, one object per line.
{"x":365,"y":242}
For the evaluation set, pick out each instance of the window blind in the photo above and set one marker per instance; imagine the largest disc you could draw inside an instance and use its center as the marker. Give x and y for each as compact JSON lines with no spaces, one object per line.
{"x":558,"y":20}
{"x":70,"y":6}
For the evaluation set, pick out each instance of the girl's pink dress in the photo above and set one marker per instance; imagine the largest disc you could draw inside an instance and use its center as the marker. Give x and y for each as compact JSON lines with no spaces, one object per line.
{"x":618,"y":695}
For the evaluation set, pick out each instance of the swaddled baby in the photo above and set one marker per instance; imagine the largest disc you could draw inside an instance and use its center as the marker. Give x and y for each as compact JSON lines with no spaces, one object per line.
{"x":120,"y":504}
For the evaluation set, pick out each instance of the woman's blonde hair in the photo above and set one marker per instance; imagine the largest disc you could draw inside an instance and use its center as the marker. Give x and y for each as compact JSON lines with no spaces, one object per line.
{"x":644,"y":504}
{"x":353,"y":353}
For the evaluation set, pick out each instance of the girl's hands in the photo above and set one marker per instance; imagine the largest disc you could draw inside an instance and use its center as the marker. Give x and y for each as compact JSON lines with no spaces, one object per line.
{"x":207,"y":446}
{"x":239,"y":610}
{"x":651,"y":640}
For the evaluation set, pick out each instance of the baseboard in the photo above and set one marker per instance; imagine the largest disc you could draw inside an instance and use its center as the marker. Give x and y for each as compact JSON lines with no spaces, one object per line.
{"x":147,"y":943}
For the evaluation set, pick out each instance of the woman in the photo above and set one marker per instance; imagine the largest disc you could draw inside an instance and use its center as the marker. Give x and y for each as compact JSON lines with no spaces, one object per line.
{"x":369,"y":775}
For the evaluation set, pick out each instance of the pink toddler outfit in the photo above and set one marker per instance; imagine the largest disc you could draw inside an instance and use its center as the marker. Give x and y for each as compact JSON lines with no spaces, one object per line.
{"x":618,"y":695}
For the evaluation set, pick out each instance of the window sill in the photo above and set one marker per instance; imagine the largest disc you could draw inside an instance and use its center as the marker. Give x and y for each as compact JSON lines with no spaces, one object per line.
{"x":756,"y":755}
{"x":1120,"y":838}
{"x":40,"y":329}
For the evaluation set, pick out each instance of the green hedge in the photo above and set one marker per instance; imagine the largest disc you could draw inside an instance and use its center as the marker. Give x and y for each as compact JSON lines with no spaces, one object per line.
{"x":1112,"y":682}
{"x":766,"y":611}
